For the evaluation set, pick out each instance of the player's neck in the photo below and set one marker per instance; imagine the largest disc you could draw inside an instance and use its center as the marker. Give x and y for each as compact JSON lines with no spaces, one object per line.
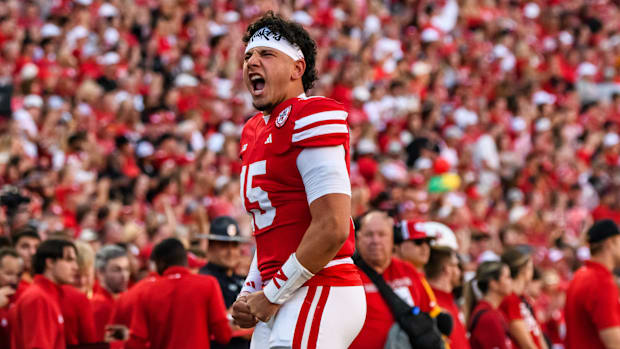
{"x":291,"y":93}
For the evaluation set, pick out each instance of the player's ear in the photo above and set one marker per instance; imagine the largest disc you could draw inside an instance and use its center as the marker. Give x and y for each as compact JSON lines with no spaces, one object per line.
{"x":299,"y":68}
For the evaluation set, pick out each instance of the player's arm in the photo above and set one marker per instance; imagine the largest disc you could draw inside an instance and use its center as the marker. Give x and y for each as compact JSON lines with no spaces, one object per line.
{"x":610,"y":337}
{"x":328,"y":190}
{"x":327,"y":233}
{"x":520,"y":333}
{"x":239,"y":310}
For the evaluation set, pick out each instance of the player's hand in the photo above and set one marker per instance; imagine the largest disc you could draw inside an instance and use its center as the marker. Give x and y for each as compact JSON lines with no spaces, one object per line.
{"x":242,"y":316}
{"x":5,"y":293}
{"x":261,"y":307}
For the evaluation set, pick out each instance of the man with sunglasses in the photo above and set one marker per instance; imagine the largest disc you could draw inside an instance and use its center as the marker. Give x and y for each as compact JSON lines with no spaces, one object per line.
{"x":412,"y":242}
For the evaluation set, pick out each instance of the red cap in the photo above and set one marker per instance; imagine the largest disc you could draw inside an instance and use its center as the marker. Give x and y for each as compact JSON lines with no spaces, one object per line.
{"x":413,"y":230}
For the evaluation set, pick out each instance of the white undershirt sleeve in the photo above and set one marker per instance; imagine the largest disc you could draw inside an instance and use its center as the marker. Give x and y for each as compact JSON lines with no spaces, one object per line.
{"x":324,"y":171}
{"x":253,"y":282}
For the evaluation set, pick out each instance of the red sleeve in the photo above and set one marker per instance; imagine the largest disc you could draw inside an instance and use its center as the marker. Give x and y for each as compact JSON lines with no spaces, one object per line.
{"x":37,"y":324}
{"x":605,"y":306}
{"x":86,"y":324}
{"x":218,"y":322}
{"x":511,"y":309}
{"x":320,"y":123}
{"x":490,"y":332}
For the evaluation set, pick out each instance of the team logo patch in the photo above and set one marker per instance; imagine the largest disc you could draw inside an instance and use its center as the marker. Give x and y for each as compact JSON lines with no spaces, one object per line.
{"x":283,"y":116}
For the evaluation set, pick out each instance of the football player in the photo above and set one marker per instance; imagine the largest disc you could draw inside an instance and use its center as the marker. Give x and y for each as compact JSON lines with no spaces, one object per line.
{"x":295,"y":185}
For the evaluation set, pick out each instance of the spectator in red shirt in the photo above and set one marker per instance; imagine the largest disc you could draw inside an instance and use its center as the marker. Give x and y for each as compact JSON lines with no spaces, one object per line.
{"x":413,"y":245}
{"x":443,"y":273}
{"x":592,"y":309}
{"x":375,"y":242}
{"x":36,"y":320}
{"x":485,"y":323}
{"x":26,"y":242}
{"x":182,"y":310}
{"x":77,"y":313}
{"x":524,"y":328}
{"x":10,"y":269}
{"x":113,"y":273}
{"x":127,"y":302}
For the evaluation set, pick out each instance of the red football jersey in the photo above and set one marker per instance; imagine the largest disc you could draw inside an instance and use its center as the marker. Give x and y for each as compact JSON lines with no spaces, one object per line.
{"x":272,"y":189}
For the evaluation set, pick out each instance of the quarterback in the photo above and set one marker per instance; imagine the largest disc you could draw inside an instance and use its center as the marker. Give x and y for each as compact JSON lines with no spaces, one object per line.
{"x":295,"y":185}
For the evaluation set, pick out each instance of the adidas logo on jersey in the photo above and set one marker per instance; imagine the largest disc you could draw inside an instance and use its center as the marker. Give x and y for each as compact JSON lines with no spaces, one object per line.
{"x":268,"y":139}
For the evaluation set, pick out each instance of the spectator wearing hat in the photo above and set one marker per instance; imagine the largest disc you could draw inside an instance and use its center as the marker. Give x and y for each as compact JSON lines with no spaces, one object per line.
{"x":525,"y":330}
{"x":181,"y":310}
{"x":592,"y":309}
{"x":413,"y":245}
{"x":444,"y":274}
{"x":374,"y":243}
{"x":224,"y":255}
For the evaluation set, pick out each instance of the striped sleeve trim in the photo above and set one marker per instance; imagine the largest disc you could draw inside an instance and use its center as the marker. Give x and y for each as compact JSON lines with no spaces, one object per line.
{"x":335,"y":115}
{"x":320,"y":131}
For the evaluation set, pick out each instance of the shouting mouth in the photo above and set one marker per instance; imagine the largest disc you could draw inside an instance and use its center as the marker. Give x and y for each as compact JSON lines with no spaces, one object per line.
{"x":258,"y":84}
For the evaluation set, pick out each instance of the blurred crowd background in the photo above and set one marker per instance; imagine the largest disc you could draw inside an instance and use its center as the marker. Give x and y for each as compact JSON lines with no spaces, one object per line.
{"x":120,"y":119}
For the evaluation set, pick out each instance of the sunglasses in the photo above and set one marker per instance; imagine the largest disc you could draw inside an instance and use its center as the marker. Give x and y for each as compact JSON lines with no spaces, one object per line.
{"x":420,"y":242}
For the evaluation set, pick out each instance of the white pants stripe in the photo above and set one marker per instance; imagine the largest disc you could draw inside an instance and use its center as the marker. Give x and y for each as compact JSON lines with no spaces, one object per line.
{"x":341,"y":319}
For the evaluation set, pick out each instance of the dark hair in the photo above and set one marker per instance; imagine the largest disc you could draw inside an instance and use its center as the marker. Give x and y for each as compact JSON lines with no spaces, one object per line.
{"x":295,"y":34}
{"x":49,"y":249}
{"x":485,"y":273}
{"x":516,"y":259}
{"x":25,"y":232}
{"x":168,"y":253}
{"x":436,"y":262}
{"x":6,"y":251}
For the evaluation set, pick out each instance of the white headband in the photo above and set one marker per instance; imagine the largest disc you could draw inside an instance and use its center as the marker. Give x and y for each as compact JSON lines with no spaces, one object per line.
{"x":266,"y":38}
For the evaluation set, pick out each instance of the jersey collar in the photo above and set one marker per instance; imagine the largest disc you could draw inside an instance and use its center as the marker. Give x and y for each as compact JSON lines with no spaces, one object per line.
{"x":281,"y":107}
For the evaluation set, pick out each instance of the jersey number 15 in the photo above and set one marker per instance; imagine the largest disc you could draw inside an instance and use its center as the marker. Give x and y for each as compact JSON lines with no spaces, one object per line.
{"x":257,"y":194}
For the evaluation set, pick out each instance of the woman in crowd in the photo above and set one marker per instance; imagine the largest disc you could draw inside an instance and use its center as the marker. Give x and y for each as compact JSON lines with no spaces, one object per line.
{"x":522,"y":323}
{"x":485,"y":323}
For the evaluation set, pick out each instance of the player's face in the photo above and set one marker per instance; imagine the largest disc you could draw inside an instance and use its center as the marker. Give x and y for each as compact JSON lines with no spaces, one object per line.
{"x":375,"y":242}
{"x":65,"y":268}
{"x":267,"y":75}
{"x":26,"y":248}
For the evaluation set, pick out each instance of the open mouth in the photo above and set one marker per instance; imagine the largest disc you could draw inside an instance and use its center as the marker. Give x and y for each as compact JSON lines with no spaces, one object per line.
{"x":258,"y":84}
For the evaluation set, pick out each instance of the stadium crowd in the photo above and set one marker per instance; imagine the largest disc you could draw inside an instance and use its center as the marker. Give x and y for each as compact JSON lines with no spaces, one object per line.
{"x":121,"y":122}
